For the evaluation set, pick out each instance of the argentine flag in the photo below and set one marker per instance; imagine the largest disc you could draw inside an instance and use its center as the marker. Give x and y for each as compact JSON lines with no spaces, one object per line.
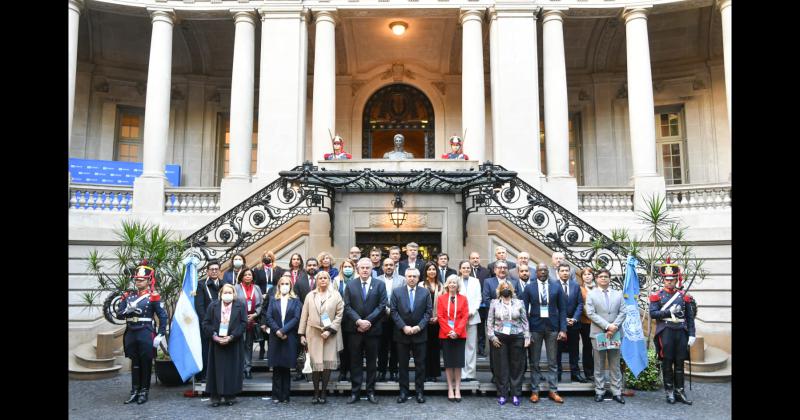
{"x":633,"y":346}
{"x":184,"y":337}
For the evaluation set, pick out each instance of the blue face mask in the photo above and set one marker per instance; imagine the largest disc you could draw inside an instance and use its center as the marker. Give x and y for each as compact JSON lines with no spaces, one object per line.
{"x":348,"y":271}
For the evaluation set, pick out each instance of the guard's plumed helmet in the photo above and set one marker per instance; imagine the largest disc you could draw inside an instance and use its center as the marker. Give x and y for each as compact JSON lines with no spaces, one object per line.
{"x":338,"y":139}
{"x":144,"y":271}
{"x":671,"y":271}
{"x":456,"y":140}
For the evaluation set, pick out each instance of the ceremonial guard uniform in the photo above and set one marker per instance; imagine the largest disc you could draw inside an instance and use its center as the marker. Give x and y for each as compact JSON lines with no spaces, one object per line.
{"x":455,"y":145}
{"x":138,"y":310}
{"x":674,"y":331}
{"x":338,"y":150}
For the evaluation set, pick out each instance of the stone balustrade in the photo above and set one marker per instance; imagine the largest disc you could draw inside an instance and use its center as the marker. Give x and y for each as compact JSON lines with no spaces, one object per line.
{"x":699,"y":197}
{"x":192,"y":200}
{"x":606,"y":199}
{"x":100,"y":198}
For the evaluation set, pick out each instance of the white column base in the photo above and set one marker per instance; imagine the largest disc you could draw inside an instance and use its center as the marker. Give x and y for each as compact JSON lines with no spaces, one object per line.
{"x":564,"y":191}
{"x":148,"y":195}
{"x":645,"y":188}
{"x":233,"y":191}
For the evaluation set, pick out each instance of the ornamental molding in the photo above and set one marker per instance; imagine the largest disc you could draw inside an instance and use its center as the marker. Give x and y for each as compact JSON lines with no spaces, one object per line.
{"x":381,"y":220}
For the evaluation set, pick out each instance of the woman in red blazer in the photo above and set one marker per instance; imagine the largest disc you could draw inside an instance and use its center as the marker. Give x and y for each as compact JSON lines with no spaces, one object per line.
{"x":453,"y":313}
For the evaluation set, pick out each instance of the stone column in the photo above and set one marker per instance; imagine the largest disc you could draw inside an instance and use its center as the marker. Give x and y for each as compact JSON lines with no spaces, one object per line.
{"x":473,"y":99}
{"x":148,"y":189}
{"x":515,"y":90}
{"x":323,"y":109}
{"x":561,"y":187}
{"x":726,"y":9}
{"x":236,"y":186}
{"x":647,"y":181}
{"x":282,"y":91}
{"x":74,"y":7}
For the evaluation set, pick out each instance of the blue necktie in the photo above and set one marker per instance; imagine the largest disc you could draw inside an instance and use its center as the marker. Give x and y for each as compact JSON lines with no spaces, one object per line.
{"x":411,"y":298}
{"x":364,"y":290}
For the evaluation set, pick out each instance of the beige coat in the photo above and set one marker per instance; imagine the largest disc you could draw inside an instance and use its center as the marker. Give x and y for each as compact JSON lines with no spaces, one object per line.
{"x":324,"y":353}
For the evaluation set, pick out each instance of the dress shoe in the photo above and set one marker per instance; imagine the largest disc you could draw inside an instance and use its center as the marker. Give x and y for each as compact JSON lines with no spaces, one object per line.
{"x":353,"y":399}
{"x":619,"y":399}
{"x":451,"y":399}
{"x":501,"y":400}
{"x":393,"y":376}
{"x":315,"y":400}
{"x":372,"y":398}
{"x":142,"y":396}
{"x":382,"y":377}
{"x":402,"y":398}
{"x":420,"y":398}
{"x":275,"y":401}
{"x":229,"y":403}
{"x":681,"y":396}
{"x":467,"y":379}
{"x":578,"y":377}
{"x":670,"y":397}
{"x":535,"y":396}
{"x":134,"y":396}
{"x":515,"y":401}
{"x":598,"y":397}
{"x":458,"y":399}
{"x":323,"y":398}
{"x":555,"y":397}
{"x":215,"y":404}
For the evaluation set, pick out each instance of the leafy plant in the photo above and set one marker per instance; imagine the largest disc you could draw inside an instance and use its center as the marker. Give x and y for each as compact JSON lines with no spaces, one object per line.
{"x":649,"y":379}
{"x":138,"y":241}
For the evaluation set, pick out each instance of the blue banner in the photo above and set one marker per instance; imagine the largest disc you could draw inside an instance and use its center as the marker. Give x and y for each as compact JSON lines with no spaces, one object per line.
{"x":633,"y":348}
{"x":111,"y":172}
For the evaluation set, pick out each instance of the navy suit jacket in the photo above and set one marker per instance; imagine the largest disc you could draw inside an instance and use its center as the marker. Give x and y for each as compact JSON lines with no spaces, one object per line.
{"x":489,"y":291}
{"x":403,"y":266}
{"x":556,"y":303}
{"x":372,"y":309}
{"x":574,"y":302}
{"x":403,"y":314}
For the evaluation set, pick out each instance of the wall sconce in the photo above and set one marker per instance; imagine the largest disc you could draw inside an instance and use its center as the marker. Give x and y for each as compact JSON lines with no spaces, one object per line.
{"x":398,"y":215}
{"x":398,"y":27}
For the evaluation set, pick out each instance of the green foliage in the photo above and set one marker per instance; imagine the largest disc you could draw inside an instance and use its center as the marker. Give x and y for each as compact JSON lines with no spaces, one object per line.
{"x":649,"y":379}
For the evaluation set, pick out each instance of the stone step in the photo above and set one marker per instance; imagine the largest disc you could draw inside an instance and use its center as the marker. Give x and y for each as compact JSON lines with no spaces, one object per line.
{"x":85,"y":357}
{"x":482,"y":364}
{"x":715,"y":359}
{"x":79,"y":372}
{"x":723,"y":374}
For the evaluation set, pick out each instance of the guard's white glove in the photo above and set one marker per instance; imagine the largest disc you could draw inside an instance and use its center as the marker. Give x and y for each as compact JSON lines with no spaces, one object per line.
{"x":691,"y":341}
{"x":157,"y":340}
{"x":672,"y":309}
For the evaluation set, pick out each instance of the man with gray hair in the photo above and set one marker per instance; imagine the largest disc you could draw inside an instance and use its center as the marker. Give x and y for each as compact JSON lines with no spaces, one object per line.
{"x":557,"y":259}
{"x":412,"y":251}
{"x":500,"y":254}
{"x":412,"y":307}
{"x":523,"y":258}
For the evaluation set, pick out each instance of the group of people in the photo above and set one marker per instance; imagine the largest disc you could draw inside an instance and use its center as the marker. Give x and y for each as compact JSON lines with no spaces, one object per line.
{"x":387,"y":311}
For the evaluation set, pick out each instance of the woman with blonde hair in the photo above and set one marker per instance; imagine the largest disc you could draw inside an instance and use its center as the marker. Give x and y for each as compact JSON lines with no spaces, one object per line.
{"x":326,"y":263}
{"x":320,"y":323}
{"x":282,"y":317}
{"x":225,"y":323}
{"x":453,"y":312}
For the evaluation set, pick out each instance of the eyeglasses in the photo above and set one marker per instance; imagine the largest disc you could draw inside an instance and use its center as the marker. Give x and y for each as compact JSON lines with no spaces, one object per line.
{"x":213,"y":269}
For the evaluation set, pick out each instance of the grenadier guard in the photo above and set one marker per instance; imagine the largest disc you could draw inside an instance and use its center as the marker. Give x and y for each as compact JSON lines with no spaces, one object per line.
{"x":456,"y":144}
{"x":674,"y":312}
{"x":338,"y":150}
{"x":137,"y":309}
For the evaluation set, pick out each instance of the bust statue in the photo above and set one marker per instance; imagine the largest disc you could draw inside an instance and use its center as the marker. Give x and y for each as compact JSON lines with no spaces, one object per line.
{"x":398,"y":153}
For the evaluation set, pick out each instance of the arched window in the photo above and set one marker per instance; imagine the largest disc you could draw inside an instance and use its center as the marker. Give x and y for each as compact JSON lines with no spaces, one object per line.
{"x":403,"y":109}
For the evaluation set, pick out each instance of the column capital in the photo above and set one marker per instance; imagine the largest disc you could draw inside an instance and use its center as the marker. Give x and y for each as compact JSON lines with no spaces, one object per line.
{"x":76,"y":5}
{"x":512,"y":10}
{"x":722,"y":4}
{"x":283,"y":11}
{"x":638,"y":12}
{"x":244,"y":15}
{"x":325,"y":15}
{"x":158,"y":14}
{"x":552,"y":13}
{"x":466,"y":14}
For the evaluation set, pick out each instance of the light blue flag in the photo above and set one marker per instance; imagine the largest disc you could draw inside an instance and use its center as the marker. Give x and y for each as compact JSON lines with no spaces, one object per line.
{"x":184,"y":338}
{"x":633,"y":345}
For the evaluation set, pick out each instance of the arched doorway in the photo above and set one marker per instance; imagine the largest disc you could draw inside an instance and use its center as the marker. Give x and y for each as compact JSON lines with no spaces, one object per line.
{"x":398,"y":108}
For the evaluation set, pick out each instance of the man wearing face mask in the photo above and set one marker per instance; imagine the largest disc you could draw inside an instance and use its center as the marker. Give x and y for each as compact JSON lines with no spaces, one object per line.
{"x":238,"y":264}
{"x":387,"y":352}
{"x":207,"y":292}
{"x":266,"y":277}
{"x":305,"y":283}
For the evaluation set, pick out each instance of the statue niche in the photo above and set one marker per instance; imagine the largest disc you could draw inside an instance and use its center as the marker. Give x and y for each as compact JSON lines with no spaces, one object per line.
{"x":398,"y":109}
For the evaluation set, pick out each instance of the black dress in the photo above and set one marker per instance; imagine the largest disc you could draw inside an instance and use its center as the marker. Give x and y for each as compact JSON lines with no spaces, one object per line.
{"x":433,"y":365}
{"x":225,"y":372}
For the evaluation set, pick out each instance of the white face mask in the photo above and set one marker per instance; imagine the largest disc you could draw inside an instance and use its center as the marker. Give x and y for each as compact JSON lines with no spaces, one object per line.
{"x":237,"y":263}
{"x":284,"y":289}
{"x":227,"y":298}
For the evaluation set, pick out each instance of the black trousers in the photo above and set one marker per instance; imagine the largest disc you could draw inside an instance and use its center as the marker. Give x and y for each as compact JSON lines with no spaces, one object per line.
{"x":387,"y":351}
{"x":344,"y":357}
{"x":281,"y":383}
{"x":586,"y":350}
{"x":672,"y":345}
{"x":363,"y":345}
{"x":571,"y":346}
{"x":138,"y":345}
{"x":509,"y":364}
{"x":433,"y":363}
{"x":484,"y":313}
{"x":404,"y":351}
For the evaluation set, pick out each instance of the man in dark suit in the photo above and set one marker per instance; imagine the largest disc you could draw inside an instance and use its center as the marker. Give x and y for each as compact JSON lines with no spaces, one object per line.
{"x":480,"y":273}
{"x":411,"y":309}
{"x":207,"y":292}
{"x":500,"y":254}
{"x":546,"y":305}
{"x":574,"y":309}
{"x":412,"y":250}
{"x":441,"y":266}
{"x":365,"y":301}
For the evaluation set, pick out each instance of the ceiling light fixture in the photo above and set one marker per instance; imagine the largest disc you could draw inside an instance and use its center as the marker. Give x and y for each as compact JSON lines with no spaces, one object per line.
{"x":398,"y":27}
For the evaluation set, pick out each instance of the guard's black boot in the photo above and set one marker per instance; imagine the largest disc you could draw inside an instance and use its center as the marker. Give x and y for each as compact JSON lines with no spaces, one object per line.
{"x":135,"y":383}
{"x":681,"y":396}
{"x":134,"y":395}
{"x":142,"y":396}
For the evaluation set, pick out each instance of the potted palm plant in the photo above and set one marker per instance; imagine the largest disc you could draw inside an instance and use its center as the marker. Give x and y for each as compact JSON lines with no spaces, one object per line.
{"x":163,"y":251}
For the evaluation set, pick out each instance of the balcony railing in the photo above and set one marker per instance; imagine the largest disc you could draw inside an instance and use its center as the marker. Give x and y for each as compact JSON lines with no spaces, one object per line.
{"x":607,"y":199}
{"x":699,"y":197}
{"x":192,"y":200}
{"x":100,"y":198}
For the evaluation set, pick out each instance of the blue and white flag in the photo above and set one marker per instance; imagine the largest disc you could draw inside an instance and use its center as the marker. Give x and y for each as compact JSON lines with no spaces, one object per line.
{"x":184,"y":338}
{"x":633,"y":345}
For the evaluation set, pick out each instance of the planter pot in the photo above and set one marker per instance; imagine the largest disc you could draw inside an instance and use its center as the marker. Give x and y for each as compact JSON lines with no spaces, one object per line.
{"x":167,"y":373}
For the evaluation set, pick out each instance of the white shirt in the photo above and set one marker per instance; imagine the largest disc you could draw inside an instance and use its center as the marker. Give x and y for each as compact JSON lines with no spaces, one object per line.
{"x":388,"y":280}
{"x":284,"y":305}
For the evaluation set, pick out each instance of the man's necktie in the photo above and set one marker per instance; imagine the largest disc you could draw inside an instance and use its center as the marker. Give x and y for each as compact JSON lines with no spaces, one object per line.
{"x":605,"y":293}
{"x":411,"y":298}
{"x":364,"y":290}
